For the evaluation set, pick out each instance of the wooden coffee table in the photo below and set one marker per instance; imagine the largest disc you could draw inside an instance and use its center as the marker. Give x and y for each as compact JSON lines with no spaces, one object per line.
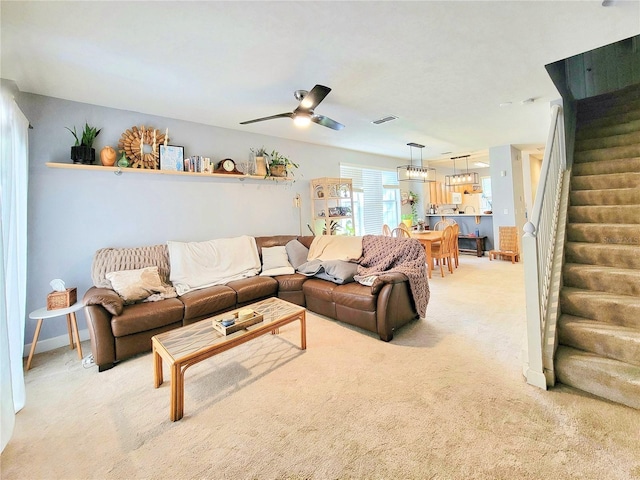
{"x":191,"y":344}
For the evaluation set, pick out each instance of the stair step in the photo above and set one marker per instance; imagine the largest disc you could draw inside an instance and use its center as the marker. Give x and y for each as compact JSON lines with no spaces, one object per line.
{"x":620,"y":165}
{"x":607,"y":107}
{"x":605,"y":213}
{"x":608,"y":130}
{"x":603,"y":254}
{"x":608,"y":233}
{"x":610,"y":196}
{"x":622,"y":281}
{"x":623,"y":310}
{"x":612,"y":153}
{"x":630,"y":138}
{"x":605,"y":339}
{"x":607,"y":121}
{"x":605,"y":181}
{"x":611,"y":99}
{"x":604,"y":377}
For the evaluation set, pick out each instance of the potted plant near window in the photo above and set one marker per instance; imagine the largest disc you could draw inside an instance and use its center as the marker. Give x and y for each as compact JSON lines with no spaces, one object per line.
{"x":279,"y":165}
{"x":83,"y":151}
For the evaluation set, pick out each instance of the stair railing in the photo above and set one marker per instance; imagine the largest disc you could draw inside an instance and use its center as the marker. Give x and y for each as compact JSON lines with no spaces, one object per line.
{"x":542,"y":250}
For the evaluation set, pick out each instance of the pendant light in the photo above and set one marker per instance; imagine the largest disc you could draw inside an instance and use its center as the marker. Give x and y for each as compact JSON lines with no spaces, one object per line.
{"x":468,"y":178}
{"x":416,"y":173}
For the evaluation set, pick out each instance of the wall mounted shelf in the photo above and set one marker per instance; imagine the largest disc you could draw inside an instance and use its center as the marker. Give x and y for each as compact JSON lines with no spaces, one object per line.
{"x":119,"y":171}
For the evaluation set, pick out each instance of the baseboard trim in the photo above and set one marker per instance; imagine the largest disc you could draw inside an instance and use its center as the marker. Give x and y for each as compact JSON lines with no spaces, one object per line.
{"x":53,"y":343}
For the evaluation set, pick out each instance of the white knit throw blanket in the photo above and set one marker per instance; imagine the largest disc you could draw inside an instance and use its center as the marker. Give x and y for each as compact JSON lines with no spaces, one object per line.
{"x":383,"y":254}
{"x":196,"y":265}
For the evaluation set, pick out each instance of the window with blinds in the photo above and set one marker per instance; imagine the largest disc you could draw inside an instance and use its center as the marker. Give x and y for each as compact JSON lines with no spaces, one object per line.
{"x":376,"y":198}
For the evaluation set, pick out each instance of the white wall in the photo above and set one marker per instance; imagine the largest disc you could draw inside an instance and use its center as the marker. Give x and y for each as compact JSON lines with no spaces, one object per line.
{"x":507,"y":188}
{"x":73,"y":213}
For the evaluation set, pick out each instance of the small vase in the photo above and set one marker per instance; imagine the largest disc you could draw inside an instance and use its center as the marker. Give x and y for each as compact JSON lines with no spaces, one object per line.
{"x":123,"y":162}
{"x":108,"y":156}
{"x":261,"y":167}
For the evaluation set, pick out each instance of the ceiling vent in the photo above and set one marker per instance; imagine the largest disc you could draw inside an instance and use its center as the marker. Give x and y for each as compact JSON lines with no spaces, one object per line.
{"x":386,"y":119}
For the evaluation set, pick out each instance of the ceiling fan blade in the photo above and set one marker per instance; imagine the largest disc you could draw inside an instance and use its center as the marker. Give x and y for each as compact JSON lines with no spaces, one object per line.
{"x":280,"y":115}
{"x":313,"y":98}
{"x":326,"y":122}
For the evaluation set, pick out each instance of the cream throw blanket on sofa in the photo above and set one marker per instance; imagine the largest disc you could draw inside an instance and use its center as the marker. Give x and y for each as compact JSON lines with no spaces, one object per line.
{"x":335,"y":247}
{"x":196,"y":265}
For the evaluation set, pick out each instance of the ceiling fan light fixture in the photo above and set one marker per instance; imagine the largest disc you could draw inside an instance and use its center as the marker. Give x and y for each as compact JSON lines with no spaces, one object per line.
{"x":302,"y":120}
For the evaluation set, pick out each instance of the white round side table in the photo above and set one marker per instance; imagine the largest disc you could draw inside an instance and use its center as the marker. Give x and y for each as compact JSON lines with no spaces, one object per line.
{"x":72,"y":326}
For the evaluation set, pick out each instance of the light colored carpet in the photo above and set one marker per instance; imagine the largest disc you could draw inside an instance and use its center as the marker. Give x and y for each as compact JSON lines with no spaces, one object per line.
{"x":444,"y":400}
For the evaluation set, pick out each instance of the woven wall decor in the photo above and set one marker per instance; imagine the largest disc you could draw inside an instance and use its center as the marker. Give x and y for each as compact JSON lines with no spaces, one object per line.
{"x":132,"y":143}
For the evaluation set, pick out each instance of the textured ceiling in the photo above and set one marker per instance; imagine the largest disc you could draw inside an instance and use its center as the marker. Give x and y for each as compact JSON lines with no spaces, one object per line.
{"x":442,"y":67}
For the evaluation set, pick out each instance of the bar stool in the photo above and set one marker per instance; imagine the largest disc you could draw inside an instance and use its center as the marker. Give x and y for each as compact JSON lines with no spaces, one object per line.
{"x":72,"y":326}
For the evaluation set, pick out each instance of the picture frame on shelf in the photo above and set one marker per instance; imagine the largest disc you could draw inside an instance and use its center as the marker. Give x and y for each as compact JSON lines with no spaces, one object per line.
{"x":171,"y":158}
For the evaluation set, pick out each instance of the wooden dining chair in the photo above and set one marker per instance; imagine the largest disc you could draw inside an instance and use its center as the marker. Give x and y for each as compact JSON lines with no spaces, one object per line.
{"x":400,"y":233}
{"x":404,"y":227}
{"x":455,"y":248}
{"x":442,"y":254}
{"x":441,"y":225}
{"x":509,"y":246}
{"x":386,"y":230}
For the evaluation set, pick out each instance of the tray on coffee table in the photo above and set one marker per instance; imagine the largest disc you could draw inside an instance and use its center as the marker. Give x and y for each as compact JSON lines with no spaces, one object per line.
{"x":237,"y":325}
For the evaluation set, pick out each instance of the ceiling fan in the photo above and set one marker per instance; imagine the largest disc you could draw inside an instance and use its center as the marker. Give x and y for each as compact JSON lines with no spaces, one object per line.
{"x":303,"y":114}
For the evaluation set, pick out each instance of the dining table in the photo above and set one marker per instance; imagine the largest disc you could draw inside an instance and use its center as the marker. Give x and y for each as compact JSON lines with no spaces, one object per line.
{"x":428,"y":238}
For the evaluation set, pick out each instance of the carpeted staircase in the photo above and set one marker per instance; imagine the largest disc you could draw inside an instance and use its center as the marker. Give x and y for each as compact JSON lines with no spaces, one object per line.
{"x":599,"y":326}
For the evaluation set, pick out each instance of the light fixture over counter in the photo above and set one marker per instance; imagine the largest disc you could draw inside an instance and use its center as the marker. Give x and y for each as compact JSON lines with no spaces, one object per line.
{"x":416,"y":173}
{"x":468,"y":178}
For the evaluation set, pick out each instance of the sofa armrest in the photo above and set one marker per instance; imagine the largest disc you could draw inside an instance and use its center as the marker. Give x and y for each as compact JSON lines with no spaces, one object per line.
{"x":382,"y":280}
{"x":107,"y":298}
{"x":103,"y":343}
{"x":394,"y":308}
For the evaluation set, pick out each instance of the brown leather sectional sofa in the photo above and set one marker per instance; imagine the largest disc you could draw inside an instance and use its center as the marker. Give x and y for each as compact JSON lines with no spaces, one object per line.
{"x":120,"y":331}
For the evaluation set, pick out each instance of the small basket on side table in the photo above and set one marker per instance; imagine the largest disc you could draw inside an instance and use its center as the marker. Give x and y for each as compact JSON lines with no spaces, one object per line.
{"x":64,"y":299}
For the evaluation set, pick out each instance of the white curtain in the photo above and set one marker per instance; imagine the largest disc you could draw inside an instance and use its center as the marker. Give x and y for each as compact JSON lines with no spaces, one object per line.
{"x":13,"y":261}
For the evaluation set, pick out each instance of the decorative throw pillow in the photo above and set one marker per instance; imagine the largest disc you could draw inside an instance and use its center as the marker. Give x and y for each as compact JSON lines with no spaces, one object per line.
{"x":275,"y":262}
{"x":135,"y":285}
{"x":297,"y":253}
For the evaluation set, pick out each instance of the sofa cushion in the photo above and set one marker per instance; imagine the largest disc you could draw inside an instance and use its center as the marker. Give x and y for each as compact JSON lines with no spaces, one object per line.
{"x":355,"y":296}
{"x":275,"y":262}
{"x":135,"y":285}
{"x":290,"y":283}
{"x":320,"y":289}
{"x":208,"y":301}
{"x":141,"y":317}
{"x":254,"y":288}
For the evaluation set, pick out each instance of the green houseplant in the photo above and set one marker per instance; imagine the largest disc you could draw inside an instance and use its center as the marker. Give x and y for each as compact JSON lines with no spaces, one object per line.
{"x":279,"y":165}
{"x":83,"y":151}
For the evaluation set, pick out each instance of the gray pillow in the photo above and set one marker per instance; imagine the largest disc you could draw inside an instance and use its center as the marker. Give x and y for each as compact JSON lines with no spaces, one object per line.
{"x":297,"y":253}
{"x":336,"y":271}
{"x":340,"y":271}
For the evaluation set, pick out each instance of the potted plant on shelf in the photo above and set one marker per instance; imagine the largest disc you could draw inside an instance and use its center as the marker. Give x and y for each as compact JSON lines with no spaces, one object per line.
{"x":260,"y":161}
{"x":279,"y":165}
{"x":83,"y":151}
